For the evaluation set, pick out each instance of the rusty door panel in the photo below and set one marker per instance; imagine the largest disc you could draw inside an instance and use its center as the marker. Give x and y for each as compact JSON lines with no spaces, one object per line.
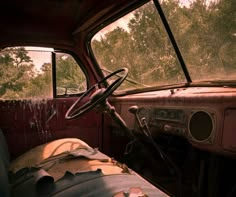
{"x":27,"y":124}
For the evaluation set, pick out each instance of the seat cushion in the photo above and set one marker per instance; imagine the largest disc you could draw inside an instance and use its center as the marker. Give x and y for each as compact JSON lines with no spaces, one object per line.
{"x":72,"y":168}
{"x":49,"y":154}
{"x":4,"y":165}
{"x":40,"y":153}
{"x":4,"y":183}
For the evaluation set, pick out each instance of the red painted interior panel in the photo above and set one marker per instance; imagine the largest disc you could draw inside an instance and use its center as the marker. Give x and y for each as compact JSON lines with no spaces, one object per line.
{"x":229,"y":139}
{"x":30,"y":123}
{"x":219,"y":102}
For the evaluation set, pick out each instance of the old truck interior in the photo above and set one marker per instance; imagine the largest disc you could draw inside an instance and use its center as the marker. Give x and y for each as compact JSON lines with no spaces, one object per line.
{"x":118,"y":98}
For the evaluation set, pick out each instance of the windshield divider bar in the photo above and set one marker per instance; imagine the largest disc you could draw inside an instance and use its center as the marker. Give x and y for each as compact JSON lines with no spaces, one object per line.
{"x":172,"y":39}
{"x":54,"y":75}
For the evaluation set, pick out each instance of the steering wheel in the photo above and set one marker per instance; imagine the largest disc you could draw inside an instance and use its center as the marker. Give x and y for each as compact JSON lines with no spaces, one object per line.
{"x":98,"y":97}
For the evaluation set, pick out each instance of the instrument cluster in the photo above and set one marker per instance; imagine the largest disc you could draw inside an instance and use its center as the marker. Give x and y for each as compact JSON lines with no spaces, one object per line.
{"x":196,"y":125}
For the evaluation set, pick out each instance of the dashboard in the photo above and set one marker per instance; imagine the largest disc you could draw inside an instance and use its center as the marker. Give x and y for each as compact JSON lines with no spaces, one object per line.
{"x":197,"y":125}
{"x":205,"y":116}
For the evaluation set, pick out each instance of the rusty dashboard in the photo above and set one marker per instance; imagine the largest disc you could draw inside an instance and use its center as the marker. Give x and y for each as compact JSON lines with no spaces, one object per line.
{"x":205,"y":116}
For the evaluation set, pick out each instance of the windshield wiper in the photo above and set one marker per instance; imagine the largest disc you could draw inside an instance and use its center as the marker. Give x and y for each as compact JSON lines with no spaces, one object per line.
{"x":127,"y":79}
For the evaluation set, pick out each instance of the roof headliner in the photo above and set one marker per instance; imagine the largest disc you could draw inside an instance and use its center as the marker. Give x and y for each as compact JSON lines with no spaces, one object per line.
{"x":53,"y":22}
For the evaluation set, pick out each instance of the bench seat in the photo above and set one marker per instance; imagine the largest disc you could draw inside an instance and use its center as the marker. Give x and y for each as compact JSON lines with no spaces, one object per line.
{"x":68,"y":167}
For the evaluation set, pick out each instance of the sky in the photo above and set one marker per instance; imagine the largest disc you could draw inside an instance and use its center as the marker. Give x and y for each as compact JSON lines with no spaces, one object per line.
{"x":41,"y":57}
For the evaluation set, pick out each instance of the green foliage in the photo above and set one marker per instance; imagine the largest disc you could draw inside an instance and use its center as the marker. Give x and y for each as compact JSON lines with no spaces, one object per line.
{"x":16,"y":72}
{"x":145,"y":50}
{"x":40,"y":85}
{"x":19,"y":78}
{"x":204,"y":33}
{"x":204,"y":30}
{"x":69,"y":75}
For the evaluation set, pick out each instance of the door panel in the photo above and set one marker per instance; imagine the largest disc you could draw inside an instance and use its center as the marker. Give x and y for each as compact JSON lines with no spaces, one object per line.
{"x":30,"y":123}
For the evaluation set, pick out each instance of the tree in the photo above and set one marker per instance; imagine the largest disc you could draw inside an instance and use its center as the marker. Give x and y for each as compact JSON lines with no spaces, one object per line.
{"x":40,"y":86}
{"x":204,"y":31}
{"x":69,"y":74}
{"x":145,"y":49}
{"x":224,"y":25}
{"x":16,"y":71}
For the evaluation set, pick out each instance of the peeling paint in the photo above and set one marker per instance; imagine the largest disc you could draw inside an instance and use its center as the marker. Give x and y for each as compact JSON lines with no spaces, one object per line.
{"x":30,"y":116}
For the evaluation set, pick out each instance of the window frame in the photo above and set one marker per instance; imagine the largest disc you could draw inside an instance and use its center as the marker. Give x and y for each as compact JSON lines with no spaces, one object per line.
{"x":52,"y":52}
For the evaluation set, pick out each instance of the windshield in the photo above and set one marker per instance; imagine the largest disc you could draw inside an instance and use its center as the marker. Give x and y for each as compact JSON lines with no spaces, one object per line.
{"x":203,"y":29}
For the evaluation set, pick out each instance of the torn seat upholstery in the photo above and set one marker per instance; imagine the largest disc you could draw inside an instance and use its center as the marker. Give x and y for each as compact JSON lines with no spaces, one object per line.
{"x":70,"y":167}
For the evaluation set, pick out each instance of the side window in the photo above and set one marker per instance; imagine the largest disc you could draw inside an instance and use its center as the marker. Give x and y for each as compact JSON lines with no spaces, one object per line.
{"x":69,"y":77}
{"x":26,"y":73}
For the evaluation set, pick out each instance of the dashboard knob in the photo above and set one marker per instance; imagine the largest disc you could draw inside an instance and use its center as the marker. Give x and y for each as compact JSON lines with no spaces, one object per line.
{"x":167,"y":128}
{"x":133,"y":109}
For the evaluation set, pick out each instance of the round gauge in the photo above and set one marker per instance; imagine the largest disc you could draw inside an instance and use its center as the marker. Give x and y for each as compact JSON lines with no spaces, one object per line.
{"x":201,"y":126}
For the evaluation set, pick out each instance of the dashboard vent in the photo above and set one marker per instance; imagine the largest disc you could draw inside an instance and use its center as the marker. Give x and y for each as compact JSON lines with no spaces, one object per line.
{"x":201,"y":126}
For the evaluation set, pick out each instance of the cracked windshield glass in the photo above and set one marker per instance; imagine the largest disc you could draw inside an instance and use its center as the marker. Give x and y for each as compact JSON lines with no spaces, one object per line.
{"x":204,"y":31}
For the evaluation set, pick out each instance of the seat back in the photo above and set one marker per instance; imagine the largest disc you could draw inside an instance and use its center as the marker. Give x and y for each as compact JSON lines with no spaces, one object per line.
{"x":4,"y":166}
{"x":4,"y":153}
